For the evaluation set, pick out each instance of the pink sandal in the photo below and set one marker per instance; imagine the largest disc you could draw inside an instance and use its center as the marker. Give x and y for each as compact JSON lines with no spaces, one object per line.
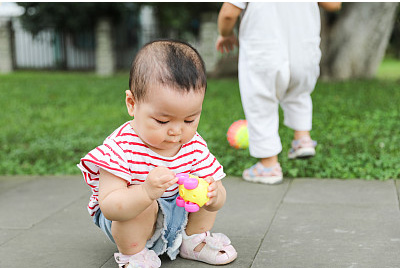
{"x":302,"y":148}
{"x":217,"y":249}
{"x":144,"y":259}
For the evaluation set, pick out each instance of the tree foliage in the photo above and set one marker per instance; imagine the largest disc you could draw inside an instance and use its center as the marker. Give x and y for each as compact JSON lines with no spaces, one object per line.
{"x":182,"y":17}
{"x":176,"y":17}
{"x":72,"y":16}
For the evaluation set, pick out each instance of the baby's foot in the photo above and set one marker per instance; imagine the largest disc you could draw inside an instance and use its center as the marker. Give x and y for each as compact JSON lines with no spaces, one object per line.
{"x":210,"y":248}
{"x":144,"y":259}
{"x":261,"y":174}
{"x":303,"y":147}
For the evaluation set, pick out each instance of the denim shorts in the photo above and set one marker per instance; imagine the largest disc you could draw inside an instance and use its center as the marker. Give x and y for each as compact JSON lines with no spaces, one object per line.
{"x":171,"y":221}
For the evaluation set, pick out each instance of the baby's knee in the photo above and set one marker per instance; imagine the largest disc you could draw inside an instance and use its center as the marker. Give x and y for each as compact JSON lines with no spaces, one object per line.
{"x":149,"y":214}
{"x":138,"y":228}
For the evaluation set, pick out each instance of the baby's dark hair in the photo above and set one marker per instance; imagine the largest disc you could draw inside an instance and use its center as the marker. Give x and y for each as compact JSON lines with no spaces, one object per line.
{"x":169,"y":63}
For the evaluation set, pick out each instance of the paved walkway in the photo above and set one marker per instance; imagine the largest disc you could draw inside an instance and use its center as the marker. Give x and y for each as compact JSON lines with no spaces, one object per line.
{"x":300,"y":223}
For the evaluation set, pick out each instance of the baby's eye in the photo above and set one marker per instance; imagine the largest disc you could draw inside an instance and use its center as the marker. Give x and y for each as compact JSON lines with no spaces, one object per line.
{"x":161,"y":122}
{"x":189,"y":121}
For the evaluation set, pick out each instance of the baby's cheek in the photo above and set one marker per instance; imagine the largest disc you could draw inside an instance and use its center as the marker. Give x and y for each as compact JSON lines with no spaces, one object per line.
{"x":155,"y":138}
{"x":189,"y":134}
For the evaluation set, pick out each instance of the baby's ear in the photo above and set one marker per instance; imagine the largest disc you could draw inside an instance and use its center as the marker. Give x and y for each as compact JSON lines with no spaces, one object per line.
{"x":130,"y":102}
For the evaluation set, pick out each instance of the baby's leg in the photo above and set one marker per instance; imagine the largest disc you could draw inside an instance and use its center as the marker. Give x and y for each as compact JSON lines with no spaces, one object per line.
{"x":298,"y":134}
{"x":131,"y":235}
{"x":304,"y":71}
{"x":200,"y":222}
{"x":197,"y":236}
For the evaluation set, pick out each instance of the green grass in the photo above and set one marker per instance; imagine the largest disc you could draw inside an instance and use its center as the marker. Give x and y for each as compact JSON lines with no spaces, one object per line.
{"x":389,"y":69}
{"x":50,"y":120}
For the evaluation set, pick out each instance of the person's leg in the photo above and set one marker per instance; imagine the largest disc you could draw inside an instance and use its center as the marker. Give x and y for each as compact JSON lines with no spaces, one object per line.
{"x":131,"y":236}
{"x":197,"y":236}
{"x":298,"y":134}
{"x":269,"y":161}
{"x":296,"y":102}
{"x":263,"y":72}
{"x":200,"y":222}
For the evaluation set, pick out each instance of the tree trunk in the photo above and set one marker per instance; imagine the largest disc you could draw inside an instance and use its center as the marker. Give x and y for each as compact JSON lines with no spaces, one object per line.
{"x":355,"y":39}
{"x":105,"y":56}
{"x":208,"y":35}
{"x":6,"y":65}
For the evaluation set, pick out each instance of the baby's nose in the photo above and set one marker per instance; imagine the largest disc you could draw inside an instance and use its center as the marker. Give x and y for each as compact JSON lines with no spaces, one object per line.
{"x":174,"y":131}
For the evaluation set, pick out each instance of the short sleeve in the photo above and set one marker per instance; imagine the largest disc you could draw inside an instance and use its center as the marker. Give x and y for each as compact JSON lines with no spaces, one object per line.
{"x":241,"y":5}
{"x":109,"y":157}
{"x":208,"y":165}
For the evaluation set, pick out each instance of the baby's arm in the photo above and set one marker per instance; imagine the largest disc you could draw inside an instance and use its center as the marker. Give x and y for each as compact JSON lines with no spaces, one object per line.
{"x":227,"y":18}
{"x":120,"y":202}
{"x":330,"y":6}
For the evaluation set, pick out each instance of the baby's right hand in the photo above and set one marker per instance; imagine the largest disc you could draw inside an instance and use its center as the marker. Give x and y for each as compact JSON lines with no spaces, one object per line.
{"x":226,"y":43}
{"x":158,"y":180}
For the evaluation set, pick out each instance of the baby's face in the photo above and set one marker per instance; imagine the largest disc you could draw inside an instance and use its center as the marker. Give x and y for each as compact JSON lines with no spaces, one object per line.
{"x":167,"y":119}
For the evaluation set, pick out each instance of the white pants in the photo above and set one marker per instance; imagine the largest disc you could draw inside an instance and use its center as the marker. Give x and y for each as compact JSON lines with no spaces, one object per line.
{"x":271,"y":74}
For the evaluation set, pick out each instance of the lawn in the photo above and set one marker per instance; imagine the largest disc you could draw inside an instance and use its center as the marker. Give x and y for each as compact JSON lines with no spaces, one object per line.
{"x":50,"y":120}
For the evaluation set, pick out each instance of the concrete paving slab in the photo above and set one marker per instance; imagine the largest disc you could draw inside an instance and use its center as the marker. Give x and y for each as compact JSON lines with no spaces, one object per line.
{"x":300,"y":223}
{"x":7,"y":183}
{"x":250,"y":207}
{"x":334,"y":223}
{"x":8,"y":234}
{"x":30,"y":202}
{"x":332,"y":236}
{"x":397,"y":182}
{"x":67,"y":238}
{"x":334,"y":191}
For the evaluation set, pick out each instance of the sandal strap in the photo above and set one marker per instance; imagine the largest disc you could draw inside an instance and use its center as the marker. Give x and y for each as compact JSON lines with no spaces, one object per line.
{"x":263,"y":170}
{"x":121,"y":259}
{"x":145,"y":258}
{"x":214,"y":244}
{"x":303,"y":142}
{"x":217,"y":241}
{"x":259,"y":168}
{"x":195,"y":240}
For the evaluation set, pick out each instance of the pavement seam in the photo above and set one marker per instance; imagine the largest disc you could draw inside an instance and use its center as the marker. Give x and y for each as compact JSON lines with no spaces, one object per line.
{"x":272,"y":220}
{"x":103,"y":265}
{"x":10,"y":239}
{"x":397,"y":192}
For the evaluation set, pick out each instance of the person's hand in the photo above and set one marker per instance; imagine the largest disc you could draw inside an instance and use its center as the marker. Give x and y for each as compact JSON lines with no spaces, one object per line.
{"x":158,"y":180}
{"x":212,"y":191}
{"x":226,"y":43}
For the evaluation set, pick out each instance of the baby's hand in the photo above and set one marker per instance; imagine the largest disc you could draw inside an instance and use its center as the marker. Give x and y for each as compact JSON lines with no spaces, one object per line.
{"x":212,"y":191}
{"x":226,"y":43}
{"x":158,"y":180}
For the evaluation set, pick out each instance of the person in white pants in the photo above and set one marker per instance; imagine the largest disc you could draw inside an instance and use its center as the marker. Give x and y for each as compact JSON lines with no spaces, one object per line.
{"x":279,"y":59}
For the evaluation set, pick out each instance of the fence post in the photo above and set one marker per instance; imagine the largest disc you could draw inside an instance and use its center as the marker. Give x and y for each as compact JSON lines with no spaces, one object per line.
{"x":6,"y":65}
{"x":105,"y":56}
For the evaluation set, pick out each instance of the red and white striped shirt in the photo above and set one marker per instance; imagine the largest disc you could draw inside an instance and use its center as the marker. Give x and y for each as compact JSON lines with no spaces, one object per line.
{"x":125,"y":155}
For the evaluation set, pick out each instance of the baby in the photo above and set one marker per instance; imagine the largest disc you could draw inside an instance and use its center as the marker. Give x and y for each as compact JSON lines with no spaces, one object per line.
{"x":132,"y":174}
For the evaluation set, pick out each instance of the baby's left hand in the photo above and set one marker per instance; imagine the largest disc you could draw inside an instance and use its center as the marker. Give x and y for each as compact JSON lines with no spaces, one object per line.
{"x":212,"y":191}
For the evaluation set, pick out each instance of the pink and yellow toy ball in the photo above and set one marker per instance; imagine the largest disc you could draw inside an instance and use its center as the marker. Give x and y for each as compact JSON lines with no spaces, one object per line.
{"x":238,"y":135}
{"x":192,"y":192}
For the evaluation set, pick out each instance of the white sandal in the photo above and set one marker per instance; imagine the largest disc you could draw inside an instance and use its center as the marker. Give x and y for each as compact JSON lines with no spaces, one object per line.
{"x":144,"y":259}
{"x":217,"y":249}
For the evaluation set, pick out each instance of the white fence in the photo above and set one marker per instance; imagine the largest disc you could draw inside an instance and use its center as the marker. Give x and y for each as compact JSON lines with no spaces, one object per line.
{"x":51,"y":50}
